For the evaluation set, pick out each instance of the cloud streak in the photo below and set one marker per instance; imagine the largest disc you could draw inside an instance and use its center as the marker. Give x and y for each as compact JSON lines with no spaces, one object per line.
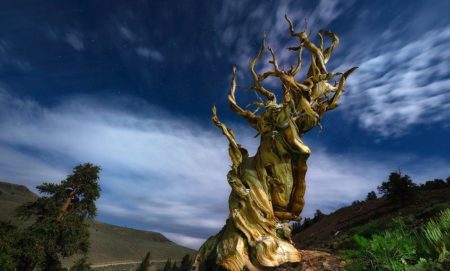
{"x":163,"y":172}
{"x":242,"y":25}
{"x":149,"y":53}
{"x":75,"y":39}
{"x":406,"y":84}
{"x":403,"y":78}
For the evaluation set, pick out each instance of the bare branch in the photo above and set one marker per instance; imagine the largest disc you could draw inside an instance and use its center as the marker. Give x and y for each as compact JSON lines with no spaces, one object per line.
{"x":235,"y":150}
{"x":303,"y":37}
{"x":298,"y":67}
{"x":257,"y":80}
{"x":340,"y":89}
{"x":252,"y":118}
{"x":327,"y":52}
{"x":274,"y":60}
{"x":320,"y":40}
{"x":291,"y":25}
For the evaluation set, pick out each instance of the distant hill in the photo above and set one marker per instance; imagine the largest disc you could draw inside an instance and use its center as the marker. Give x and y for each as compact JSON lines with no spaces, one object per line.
{"x":109,"y":243}
{"x":334,"y":231}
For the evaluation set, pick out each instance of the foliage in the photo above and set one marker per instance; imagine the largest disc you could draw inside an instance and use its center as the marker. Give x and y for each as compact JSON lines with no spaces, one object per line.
{"x":371,"y":195}
{"x":398,"y":188}
{"x":436,"y":238}
{"x":8,"y":249}
{"x":186,"y":263}
{"x":167,"y":265}
{"x":404,"y":248}
{"x":435,"y":184}
{"x":58,"y":226}
{"x":369,"y":228}
{"x":81,"y":265}
{"x":144,"y":265}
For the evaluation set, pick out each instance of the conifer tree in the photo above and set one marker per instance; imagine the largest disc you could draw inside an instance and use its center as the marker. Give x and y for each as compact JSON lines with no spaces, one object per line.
{"x":398,"y":188}
{"x":59,"y":227}
{"x":167,"y":265}
{"x":145,"y":264}
{"x":371,"y":195}
{"x":185,"y":263}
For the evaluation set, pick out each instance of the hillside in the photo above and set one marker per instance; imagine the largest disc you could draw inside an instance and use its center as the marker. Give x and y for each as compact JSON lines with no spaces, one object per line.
{"x":334,"y":231}
{"x":109,"y":243}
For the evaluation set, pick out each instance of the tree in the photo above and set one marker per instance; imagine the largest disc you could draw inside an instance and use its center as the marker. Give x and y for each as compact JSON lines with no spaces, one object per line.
{"x":185,"y":263}
{"x":280,"y":162}
{"x":371,"y":195}
{"x":8,"y":248}
{"x":448,"y":181}
{"x":398,"y":188}
{"x":59,"y":227}
{"x":167,"y":265}
{"x":318,"y":215}
{"x":145,"y":264}
{"x":434,"y":184}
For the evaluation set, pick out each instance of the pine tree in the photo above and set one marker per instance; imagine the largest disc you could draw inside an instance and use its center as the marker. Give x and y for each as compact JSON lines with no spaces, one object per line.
{"x":59,"y":227}
{"x":168,"y":265}
{"x":145,"y":264}
{"x":185,"y":263}
{"x":398,"y":188}
{"x":371,"y":195}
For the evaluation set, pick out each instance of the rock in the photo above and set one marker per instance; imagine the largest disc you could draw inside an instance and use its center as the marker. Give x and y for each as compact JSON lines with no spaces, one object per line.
{"x":314,"y":260}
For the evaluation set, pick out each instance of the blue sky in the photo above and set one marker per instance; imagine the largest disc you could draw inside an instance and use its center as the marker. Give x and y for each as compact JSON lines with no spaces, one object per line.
{"x":129,"y":85}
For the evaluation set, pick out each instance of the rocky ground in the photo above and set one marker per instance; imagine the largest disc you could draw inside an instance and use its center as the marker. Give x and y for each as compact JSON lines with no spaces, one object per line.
{"x":314,"y":260}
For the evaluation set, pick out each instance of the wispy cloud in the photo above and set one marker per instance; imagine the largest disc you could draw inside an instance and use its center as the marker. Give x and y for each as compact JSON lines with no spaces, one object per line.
{"x":74,"y":39}
{"x":126,"y":33}
{"x":9,"y":60}
{"x":163,"y":172}
{"x":402,"y":81}
{"x":242,"y":26}
{"x":406,"y":84}
{"x":149,"y":53}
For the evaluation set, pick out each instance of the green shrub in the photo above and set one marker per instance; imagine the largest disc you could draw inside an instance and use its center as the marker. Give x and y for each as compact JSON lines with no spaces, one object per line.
{"x":435,"y":240}
{"x":391,"y":250}
{"x":404,"y":248}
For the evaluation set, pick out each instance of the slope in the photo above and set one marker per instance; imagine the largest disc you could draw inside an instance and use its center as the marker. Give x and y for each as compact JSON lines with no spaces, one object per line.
{"x":109,"y":243}
{"x":334,"y":231}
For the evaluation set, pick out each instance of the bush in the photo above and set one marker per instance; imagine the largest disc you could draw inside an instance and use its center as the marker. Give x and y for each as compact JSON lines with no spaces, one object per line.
{"x":436,"y":238}
{"x":404,"y":248}
{"x":434,"y":184}
{"x":369,"y":228}
{"x":391,"y":250}
{"x":81,"y":265}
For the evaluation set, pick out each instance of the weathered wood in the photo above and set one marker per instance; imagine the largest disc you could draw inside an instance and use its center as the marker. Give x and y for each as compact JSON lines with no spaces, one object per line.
{"x":268,"y":189}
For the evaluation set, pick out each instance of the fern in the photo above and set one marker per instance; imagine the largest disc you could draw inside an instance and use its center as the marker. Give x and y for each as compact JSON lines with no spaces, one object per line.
{"x":403,"y":248}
